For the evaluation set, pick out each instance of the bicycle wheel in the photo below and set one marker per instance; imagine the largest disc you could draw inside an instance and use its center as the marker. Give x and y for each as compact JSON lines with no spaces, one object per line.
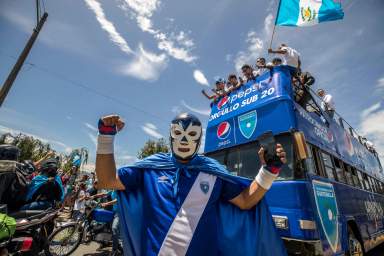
{"x":65,"y":240}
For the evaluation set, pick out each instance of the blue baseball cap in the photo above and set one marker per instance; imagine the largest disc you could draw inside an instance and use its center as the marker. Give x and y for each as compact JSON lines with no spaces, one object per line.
{"x":219,"y":80}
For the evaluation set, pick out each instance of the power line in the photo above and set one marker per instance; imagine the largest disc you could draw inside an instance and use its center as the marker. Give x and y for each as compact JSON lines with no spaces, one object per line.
{"x":88,"y":88}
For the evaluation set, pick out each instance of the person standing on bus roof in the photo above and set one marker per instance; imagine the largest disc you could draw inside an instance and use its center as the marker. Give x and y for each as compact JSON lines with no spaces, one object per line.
{"x":290,"y":57}
{"x":248,"y":73}
{"x":219,"y":91}
{"x":327,"y":103}
{"x":186,"y":198}
{"x":261,"y":67}
{"x":233,"y":83}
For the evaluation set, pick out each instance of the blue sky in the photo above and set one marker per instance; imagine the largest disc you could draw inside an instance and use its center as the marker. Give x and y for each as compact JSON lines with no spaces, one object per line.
{"x":148,"y":60}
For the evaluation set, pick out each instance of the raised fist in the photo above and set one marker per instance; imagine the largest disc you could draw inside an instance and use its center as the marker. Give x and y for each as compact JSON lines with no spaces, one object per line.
{"x":110,"y":125}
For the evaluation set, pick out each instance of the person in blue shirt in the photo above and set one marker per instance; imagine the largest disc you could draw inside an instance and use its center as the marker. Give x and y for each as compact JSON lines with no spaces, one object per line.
{"x":46,"y":188}
{"x":115,"y":222}
{"x":180,"y":193}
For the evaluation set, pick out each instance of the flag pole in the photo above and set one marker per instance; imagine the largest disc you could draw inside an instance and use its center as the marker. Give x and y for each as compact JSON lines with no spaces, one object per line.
{"x":274,"y":25}
{"x":273,"y":33}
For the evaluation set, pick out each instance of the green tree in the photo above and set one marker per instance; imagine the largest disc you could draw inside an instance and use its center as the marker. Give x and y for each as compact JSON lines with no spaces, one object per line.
{"x":34,"y":149}
{"x":152,"y":147}
{"x":30,"y":147}
{"x":68,"y":159}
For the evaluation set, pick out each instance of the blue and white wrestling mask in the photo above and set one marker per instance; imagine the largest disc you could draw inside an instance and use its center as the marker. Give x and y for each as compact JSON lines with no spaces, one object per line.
{"x":185,"y":136}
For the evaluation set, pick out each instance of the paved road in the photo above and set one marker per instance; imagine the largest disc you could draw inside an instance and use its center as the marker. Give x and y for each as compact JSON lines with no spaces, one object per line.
{"x":91,"y":249}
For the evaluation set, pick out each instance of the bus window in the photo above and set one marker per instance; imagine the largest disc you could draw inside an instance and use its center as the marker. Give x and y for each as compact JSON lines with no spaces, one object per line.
{"x":372,"y":183}
{"x":366,"y":182}
{"x":249,"y":164}
{"x":310,"y":164}
{"x":381,"y":187}
{"x":360,"y":177}
{"x":233,"y":160}
{"x":355,"y":178}
{"x":348,"y":174}
{"x":339,"y":171}
{"x":219,"y":156}
{"x":328,"y":165}
{"x":286,"y":172}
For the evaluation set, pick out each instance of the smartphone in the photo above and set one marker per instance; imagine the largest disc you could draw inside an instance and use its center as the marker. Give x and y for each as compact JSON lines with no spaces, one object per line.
{"x":267,"y":141}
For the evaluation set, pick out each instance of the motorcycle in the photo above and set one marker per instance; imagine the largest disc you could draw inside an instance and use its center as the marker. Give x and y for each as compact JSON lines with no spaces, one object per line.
{"x":94,"y":225}
{"x":33,"y":227}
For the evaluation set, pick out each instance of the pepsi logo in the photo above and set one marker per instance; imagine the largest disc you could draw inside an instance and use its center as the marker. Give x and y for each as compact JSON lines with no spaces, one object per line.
{"x":223,"y":130}
{"x":330,"y":136}
{"x":222,"y":102}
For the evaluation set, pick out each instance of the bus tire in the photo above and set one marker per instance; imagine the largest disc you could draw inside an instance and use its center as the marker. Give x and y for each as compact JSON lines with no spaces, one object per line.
{"x":355,"y":247}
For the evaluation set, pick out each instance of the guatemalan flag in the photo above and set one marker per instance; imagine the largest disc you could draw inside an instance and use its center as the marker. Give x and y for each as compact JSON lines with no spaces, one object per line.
{"x":307,"y":12}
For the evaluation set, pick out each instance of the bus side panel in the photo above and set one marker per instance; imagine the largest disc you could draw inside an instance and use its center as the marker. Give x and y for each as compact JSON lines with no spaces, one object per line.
{"x":291,"y":199}
{"x":359,"y":206}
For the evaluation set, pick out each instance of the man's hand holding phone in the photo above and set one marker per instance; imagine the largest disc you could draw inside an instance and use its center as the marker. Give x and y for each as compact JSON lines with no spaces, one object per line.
{"x":272,"y":157}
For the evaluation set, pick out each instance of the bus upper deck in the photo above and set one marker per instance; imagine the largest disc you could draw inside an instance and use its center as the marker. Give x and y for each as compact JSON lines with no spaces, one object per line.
{"x":268,"y":105}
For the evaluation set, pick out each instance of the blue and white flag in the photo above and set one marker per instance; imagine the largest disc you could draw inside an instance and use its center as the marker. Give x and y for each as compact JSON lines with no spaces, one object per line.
{"x":307,"y":12}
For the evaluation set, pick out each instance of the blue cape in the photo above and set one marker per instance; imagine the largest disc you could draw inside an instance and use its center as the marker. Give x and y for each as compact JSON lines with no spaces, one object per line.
{"x":250,"y":232}
{"x":40,"y":180}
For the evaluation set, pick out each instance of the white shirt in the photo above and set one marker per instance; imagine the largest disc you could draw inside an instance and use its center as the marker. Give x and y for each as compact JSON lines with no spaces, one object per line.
{"x":369,"y":144}
{"x":80,"y":205}
{"x":327,"y":103}
{"x":260,"y":71}
{"x":291,"y":57}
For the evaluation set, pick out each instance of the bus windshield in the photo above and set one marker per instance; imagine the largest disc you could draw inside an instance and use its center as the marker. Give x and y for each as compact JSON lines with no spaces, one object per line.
{"x":243,"y":160}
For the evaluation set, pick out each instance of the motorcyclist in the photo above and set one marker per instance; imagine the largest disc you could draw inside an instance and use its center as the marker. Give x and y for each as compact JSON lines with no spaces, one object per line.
{"x":46,"y":188}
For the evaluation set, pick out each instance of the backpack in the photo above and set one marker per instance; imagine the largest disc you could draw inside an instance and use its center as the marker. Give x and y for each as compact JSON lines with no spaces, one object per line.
{"x":13,"y":184}
{"x":7,"y":226}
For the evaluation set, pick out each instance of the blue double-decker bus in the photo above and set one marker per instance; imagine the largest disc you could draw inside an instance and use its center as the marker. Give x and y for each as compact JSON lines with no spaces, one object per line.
{"x":329,"y":198}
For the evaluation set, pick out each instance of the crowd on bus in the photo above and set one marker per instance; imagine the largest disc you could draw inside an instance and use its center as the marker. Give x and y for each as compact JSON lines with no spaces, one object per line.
{"x":302,"y":82}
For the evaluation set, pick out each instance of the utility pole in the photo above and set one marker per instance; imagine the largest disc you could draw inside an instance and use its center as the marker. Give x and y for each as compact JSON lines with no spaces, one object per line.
{"x":20,"y":61}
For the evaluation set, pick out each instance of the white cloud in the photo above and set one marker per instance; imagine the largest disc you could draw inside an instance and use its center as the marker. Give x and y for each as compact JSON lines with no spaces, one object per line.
{"x":93,"y":138}
{"x":176,"y":110}
{"x":204,"y":112}
{"x":108,"y":26}
{"x":256,"y":44}
{"x":372,"y":127}
{"x":151,"y":130}
{"x":228,"y":57}
{"x":168,"y":44}
{"x":91,"y":127}
{"x":370,"y":110}
{"x":380,"y":83}
{"x":200,"y":77}
{"x":177,"y":45}
{"x":145,"y":66}
{"x":151,"y":126}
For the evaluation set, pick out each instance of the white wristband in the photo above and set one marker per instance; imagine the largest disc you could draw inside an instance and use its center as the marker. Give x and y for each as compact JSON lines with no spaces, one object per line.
{"x":265,"y":178}
{"x":105,"y":144}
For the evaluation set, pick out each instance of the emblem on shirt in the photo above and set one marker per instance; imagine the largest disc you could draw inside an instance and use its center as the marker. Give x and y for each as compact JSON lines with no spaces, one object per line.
{"x":247,"y":123}
{"x":162,"y":179}
{"x":204,"y":186}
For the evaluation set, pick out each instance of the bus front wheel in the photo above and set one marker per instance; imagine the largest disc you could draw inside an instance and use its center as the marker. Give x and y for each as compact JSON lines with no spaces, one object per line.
{"x":354,"y":245}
